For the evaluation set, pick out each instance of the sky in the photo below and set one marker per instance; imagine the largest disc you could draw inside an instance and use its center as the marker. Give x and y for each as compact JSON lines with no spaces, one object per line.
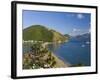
{"x":64,"y":22}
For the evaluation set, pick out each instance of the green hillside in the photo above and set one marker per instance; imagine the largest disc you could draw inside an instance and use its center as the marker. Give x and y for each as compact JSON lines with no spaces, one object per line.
{"x":41,"y":33}
{"x":58,"y":36}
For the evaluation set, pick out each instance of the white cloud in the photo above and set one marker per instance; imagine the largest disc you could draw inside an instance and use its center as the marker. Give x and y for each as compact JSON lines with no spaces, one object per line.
{"x":75,"y":30}
{"x":80,"y":16}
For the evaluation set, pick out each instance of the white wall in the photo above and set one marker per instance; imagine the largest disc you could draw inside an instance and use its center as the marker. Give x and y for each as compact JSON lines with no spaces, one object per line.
{"x":5,"y":37}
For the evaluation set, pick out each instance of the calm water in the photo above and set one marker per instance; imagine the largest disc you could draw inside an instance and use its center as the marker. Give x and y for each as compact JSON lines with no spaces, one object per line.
{"x":73,"y":52}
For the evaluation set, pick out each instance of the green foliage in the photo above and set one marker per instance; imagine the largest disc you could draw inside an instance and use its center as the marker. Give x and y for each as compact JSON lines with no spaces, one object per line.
{"x":38,"y":58}
{"x":27,"y":63}
{"x":37,"y":33}
{"x":41,"y":33}
{"x":35,"y":48}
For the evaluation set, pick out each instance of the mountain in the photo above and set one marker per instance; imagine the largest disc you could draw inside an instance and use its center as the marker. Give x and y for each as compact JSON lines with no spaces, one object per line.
{"x":84,"y":37}
{"x":67,"y":35}
{"x":41,"y":33}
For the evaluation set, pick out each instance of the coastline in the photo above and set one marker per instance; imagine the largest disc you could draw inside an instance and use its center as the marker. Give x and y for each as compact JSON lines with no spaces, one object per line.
{"x":60,"y":63}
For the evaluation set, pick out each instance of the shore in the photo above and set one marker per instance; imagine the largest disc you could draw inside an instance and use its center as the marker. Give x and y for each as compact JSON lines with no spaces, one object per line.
{"x":44,"y":58}
{"x":60,"y":63}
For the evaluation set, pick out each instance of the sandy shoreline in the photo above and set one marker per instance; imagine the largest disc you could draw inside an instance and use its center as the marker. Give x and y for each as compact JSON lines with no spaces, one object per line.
{"x":60,"y":63}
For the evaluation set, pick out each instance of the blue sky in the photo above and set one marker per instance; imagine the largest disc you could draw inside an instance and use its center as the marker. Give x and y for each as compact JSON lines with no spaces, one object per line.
{"x":63,"y":22}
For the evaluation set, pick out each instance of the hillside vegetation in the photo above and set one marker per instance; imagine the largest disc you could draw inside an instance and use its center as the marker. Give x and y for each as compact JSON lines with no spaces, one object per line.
{"x":41,"y":33}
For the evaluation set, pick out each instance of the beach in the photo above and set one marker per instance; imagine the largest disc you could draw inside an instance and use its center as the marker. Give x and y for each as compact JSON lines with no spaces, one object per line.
{"x":60,"y":63}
